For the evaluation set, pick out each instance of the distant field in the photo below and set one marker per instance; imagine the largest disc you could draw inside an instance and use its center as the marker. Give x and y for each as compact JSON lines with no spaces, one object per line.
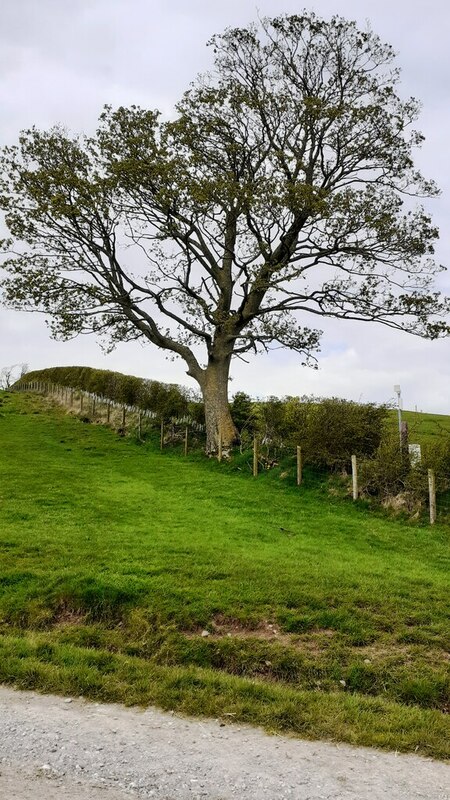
{"x":424,"y":428}
{"x":324,"y":619}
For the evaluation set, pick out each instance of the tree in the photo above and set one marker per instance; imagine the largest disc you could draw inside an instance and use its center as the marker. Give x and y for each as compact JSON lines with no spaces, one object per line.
{"x":9,"y":375}
{"x":279,"y":192}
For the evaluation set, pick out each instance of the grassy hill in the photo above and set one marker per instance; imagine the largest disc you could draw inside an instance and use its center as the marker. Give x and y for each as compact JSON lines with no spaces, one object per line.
{"x":322,"y":619}
{"x":423,"y":428}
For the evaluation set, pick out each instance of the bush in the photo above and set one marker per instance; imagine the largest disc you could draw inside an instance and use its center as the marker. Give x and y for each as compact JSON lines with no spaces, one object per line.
{"x":390,"y":477}
{"x":196,"y":410}
{"x":271,"y":423}
{"x":165,"y":400}
{"x":329,"y":431}
{"x":244,"y":413}
{"x":387,"y":473}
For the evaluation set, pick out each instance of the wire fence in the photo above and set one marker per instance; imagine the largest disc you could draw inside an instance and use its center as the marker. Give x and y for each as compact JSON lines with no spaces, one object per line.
{"x":425,"y":493}
{"x":123,"y":417}
{"x":430,"y":488}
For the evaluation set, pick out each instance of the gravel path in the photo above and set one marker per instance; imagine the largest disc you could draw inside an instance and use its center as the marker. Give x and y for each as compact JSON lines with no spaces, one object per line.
{"x":53,"y":748}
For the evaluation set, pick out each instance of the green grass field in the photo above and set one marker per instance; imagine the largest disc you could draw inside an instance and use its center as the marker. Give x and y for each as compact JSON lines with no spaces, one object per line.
{"x":324,"y":619}
{"x":423,"y":428}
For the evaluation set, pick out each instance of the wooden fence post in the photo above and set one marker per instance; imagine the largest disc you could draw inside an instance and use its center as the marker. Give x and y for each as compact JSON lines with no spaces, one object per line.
{"x":108,"y":411}
{"x":81,"y":400}
{"x":93,"y":406}
{"x":355,"y":478}
{"x":404,"y":435}
{"x":255,"y":457}
{"x":432,"y":495}
{"x":186,"y":434}
{"x":140,"y":424}
{"x":299,"y":465}
{"x":124,"y":416}
{"x":161,"y":441}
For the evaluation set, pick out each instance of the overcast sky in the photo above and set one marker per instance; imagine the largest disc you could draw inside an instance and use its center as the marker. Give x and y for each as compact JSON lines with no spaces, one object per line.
{"x":62,"y":60}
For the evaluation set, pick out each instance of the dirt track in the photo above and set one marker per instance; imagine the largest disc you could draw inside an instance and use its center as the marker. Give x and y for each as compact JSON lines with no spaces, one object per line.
{"x":55,"y":749}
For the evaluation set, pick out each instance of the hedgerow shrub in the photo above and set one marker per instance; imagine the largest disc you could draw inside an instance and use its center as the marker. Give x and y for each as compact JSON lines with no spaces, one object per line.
{"x":165,"y":400}
{"x":329,"y":430}
{"x":392,"y":478}
{"x":387,"y":473}
{"x":244,"y":414}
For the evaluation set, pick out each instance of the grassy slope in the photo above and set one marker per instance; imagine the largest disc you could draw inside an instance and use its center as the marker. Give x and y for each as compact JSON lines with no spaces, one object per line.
{"x":423,"y":428}
{"x":115,"y":557}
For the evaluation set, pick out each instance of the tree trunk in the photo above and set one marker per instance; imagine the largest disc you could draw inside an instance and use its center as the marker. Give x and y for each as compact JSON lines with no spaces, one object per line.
{"x":218,"y":419}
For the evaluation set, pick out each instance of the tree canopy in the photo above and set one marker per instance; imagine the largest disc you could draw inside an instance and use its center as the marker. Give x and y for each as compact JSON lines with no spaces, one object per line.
{"x":283,"y":189}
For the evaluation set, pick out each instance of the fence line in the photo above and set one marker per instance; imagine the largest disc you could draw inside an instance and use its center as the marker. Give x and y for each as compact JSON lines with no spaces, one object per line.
{"x":62,"y":392}
{"x":438,"y":502}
